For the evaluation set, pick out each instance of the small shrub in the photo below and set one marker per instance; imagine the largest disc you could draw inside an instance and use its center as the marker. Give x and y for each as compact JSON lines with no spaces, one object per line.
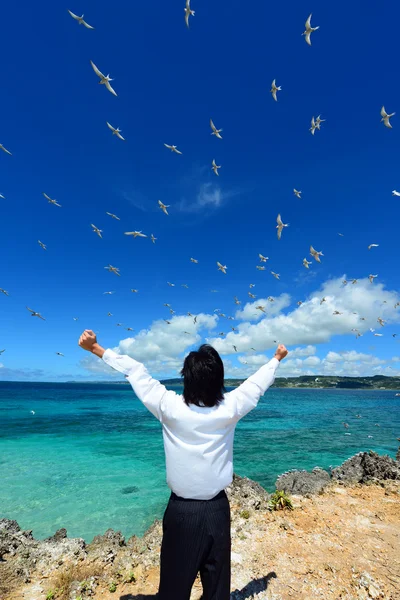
{"x":130,"y":577}
{"x":245,"y":514}
{"x":279,"y":501}
{"x":112,"y":587}
{"x":50,"y":594}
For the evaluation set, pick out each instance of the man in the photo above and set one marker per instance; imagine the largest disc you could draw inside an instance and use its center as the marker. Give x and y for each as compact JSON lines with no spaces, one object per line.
{"x":198,"y":432}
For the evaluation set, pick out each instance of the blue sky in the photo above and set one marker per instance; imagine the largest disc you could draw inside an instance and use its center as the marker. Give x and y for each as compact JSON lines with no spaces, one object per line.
{"x":170,"y":81}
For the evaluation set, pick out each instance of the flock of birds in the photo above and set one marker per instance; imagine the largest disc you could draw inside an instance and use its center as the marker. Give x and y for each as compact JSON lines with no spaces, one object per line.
{"x":280,"y":226}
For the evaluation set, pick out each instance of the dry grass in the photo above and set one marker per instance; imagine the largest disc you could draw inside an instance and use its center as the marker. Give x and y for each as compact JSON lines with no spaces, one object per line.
{"x":60,"y":585}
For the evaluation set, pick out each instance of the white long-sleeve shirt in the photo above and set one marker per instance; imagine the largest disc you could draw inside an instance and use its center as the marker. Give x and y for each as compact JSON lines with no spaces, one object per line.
{"x":198,"y":441}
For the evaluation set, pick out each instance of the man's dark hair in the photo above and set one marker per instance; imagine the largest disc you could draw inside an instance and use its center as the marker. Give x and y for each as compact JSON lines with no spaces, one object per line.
{"x":203,"y":377}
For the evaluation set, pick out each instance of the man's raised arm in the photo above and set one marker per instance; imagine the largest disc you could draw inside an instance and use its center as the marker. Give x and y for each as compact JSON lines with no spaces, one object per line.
{"x":150,"y":391}
{"x":247,"y":395}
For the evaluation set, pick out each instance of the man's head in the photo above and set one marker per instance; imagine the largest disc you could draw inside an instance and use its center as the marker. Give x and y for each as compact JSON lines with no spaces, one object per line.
{"x":203,"y":377}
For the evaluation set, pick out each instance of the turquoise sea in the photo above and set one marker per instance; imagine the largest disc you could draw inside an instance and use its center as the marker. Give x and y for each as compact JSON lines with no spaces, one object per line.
{"x":92,"y":457}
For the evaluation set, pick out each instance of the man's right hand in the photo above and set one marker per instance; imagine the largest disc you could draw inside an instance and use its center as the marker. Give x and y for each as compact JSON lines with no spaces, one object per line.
{"x":281,"y":352}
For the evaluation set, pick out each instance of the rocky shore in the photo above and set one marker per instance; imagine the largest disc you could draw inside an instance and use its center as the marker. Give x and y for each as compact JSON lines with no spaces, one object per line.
{"x":341,"y":540}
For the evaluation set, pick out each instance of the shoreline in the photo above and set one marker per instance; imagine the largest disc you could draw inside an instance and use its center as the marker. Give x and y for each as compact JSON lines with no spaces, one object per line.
{"x":334,"y":514}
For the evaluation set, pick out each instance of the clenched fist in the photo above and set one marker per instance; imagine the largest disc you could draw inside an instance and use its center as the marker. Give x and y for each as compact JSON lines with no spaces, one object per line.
{"x":281,"y":352}
{"x":88,"y":341}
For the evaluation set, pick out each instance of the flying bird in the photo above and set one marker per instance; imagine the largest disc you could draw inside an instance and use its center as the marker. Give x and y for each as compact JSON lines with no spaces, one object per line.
{"x":280,"y":226}
{"x":260,"y":268}
{"x":96,"y":230}
{"x":80,"y":20}
{"x":297,"y":193}
{"x":109,"y":314}
{"x":171,"y":284}
{"x":42,"y":245}
{"x":385,"y":117}
{"x":193,"y":260}
{"x":236,"y":300}
{"x":109,"y":293}
{"x":134,"y":291}
{"x":2,"y":196}
{"x":215,"y":167}
{"x":354,"y":281}
{"x":308,"y":31}
{"x":129,"y":329}
{"x":276,"y":275}
{"x":153,"y":239}
{"x":5,"y":149}
{"x":395,"y":193}
{"x":185,"y":285}
{"x":105,"y":80}
{"x":188,"y":13}
{"x":275,"y":88}
{"x":341,"y":234}
{"x":318,"y":122}
{"x":215,"y":131}
{"x":260,"y":307}
{"x":135,"y":234}
{"x":116,"y":131}
{"x":113,"y":270}
{"x":59,"y":354}
{"x":4,"y":292}
{"x":75,"y":318}
{"x":113,"y":216}
{"x":252,"y":285}
{"x":313,"y":126}
{"x":323,"y":300}
{"x":234,"y":347}
{"x":173,"y":149}
{"x":1,"y":351}
{"x":306,"y":263}
{"x":372,"y":277}
{"x":35,"y":314}
{"x":51,"y":201}
{"x":263,"y":258}
{"x":381,"y":321}
{"x":315,"y":254}
{"x":163,"y":207}
{"x":167,"y":322}
{"x":336,"y":312}
{"x":251,"y":295}
{"x":221,"y":267}
{"x":372,"y":246}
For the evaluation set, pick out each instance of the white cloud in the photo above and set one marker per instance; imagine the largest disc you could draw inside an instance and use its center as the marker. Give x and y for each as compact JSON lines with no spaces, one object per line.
{"x":313,"y":322}
{"x":160,"y":347}
{"x":207,"y":196}
{"x":250,"y":313}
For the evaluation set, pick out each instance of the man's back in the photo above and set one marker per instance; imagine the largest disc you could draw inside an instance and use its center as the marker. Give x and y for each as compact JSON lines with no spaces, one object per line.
{"x":198,"y":440}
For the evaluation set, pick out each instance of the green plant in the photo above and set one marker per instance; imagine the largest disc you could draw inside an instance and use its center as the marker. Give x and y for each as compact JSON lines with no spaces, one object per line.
{"x":50,"y":594}
{"x":279,"y":501}
{"x":130,"y":577}
{"x":112,"y":587}
{"x":84,"y":586}
{"x":245,"y":514}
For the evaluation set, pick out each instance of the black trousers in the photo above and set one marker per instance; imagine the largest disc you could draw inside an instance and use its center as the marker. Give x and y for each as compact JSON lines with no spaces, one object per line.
{"x":196,"y":537}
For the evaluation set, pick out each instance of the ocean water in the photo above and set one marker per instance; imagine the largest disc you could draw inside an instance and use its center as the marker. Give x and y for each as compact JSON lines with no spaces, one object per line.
{"x":92,"y":456}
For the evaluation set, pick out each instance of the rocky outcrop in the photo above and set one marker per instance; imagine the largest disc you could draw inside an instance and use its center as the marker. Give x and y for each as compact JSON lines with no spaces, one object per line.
{"x":303,"y":482}
{"x":247,"y":494}
{"x":367,"y":467}
{"x":398,"y":454}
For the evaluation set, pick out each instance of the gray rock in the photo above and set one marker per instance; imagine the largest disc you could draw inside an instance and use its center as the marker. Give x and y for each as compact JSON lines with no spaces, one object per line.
{"x":303,"y":482}
{"x":367,"y":467}
{"x":398,"y":455}
{"x":104,"y":548}
{"x":246,"y":493}
{"x":59,"y":535}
